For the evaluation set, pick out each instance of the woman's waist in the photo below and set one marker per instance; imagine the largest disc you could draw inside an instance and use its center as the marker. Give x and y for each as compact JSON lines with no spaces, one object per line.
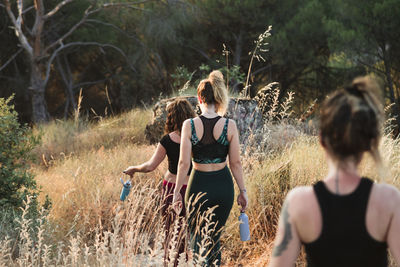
{"x":170,"y":177}
{"x":210,"y":169}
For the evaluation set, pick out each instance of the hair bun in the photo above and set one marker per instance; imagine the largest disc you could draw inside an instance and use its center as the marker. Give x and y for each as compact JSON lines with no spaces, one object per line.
{"x":215,"y":76}
{"x":354,"y":90}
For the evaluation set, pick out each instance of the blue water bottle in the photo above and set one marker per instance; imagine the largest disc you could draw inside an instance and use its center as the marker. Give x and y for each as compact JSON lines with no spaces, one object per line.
{"x":244,"y":227}
{"x":126,"y":188}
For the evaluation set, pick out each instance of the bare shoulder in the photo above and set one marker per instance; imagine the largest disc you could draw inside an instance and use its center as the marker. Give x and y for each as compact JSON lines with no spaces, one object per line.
{"x":386,"y":194}
{"x":232,"y":127}
{"x":186,"y":127}
{"x":196,"y":121}
{"x":232,"y":122}
{"x":186,"y":124}
{"x":301,"y":198}
{"x":301,"y":192}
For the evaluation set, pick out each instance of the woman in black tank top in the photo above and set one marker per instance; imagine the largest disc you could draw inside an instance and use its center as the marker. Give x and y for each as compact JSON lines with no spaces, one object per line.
{"x":344,"y":220}
{"x":178,"y":111}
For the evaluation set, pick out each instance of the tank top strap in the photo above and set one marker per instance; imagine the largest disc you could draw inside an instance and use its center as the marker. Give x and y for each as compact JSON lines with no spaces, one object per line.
{"x":364,"y":192}
{"x":323,"y":201}
{"x":194,"y":139}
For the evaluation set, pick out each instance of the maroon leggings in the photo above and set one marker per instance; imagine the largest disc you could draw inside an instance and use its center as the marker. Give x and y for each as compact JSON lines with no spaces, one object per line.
{"x":169,"y":218}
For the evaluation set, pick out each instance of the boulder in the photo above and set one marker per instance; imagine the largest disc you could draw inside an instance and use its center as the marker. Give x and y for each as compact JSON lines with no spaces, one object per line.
{"x":244,"y":111}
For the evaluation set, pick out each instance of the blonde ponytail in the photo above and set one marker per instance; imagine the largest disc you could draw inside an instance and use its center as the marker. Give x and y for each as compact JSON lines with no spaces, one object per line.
{"x":220,"y":92}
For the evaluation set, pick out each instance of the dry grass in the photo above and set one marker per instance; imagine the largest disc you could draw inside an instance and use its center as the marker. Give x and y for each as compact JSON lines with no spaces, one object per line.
{"x":90,"y":184}
{"x":62,"y":138}
{"x":89,"y":226}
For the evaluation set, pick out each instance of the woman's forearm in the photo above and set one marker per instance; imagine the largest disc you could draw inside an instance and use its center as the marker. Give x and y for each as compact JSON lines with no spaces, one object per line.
{"x":237,"y":172}
{"x":151,"y":164}
{"x":145,"y":167}
{"x":181,"y":177}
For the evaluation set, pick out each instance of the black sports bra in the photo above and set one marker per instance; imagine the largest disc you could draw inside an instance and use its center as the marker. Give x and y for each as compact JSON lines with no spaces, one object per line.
{"x":208,"y":150}
{"x":173,"y":149}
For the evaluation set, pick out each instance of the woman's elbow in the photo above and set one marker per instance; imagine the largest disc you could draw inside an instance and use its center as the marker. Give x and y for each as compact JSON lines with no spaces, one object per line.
{"x":184,"y":164}
{"x":235,"y":164}
{"x":150,"y":167}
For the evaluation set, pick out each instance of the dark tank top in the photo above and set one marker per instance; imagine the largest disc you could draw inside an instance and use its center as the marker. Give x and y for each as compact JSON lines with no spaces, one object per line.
{"x":173,"y":150}
{"x":208,"y":149}
{"x":344,"y":240}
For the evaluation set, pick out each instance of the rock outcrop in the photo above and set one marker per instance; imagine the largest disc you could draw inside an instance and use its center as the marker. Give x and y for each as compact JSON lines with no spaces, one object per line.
{"x":244,"y":111}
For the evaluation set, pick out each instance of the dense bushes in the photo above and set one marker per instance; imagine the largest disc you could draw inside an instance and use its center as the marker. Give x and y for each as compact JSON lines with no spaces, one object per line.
{"x":16,"y":144}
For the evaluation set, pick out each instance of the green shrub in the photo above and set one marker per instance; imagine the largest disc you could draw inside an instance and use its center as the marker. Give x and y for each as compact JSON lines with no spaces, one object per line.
{"x":16,"y":143}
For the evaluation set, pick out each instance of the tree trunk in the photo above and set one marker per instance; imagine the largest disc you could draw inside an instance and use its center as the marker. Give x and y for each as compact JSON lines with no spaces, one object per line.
{"x":37,"y":87}
{"x":236,"y":59}
{"x":238,"y":48}
{"x":66,"y":76}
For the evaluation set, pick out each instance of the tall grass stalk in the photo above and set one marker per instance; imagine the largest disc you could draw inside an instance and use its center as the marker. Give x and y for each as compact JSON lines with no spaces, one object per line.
{"x":260,"y":47}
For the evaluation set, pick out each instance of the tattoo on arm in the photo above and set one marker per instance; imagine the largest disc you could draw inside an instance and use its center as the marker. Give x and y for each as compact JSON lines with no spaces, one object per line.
{"x":279,"y":249}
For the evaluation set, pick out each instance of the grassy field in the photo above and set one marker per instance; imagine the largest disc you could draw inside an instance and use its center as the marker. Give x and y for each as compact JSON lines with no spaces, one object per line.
{"x":79,"y":166}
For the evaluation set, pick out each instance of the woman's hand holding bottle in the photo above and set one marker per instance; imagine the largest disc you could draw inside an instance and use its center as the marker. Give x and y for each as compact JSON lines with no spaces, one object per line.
{"x":243,"y":200}
{"x":130,"y":171}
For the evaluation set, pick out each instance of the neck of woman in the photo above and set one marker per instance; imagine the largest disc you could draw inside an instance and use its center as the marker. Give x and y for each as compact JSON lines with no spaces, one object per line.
{"x":208,"y":110}
{"x":342,"y":169}
{"x":343,"y":176}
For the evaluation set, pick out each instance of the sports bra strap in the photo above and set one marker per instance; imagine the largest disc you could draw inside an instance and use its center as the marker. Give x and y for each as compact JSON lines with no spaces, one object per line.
{"x":225,"y":130}
{"x":223,"y":139}
{"x":194,"y":139}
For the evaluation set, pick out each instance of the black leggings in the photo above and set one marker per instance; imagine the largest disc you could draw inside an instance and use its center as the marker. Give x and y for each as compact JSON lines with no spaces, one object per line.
{"x":219,"y":192}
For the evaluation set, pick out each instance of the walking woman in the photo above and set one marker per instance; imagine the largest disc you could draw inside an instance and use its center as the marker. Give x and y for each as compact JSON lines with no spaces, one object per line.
{"x":178,"y":111}
{"x":210,"y":139}
{"x":344,"y":220}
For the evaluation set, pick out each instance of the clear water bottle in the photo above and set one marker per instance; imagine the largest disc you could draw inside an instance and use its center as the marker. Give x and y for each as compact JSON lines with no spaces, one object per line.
{"x":244,"y":227}
{"x":126,"y":188}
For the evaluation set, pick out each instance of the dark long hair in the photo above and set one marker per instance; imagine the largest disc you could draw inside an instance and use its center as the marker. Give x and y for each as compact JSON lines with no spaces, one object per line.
{"x":178,"y":111}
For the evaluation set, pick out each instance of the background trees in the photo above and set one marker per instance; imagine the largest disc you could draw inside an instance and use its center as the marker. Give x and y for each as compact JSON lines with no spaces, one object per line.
{"x":134,"y":51}
{"x":42,"y":34}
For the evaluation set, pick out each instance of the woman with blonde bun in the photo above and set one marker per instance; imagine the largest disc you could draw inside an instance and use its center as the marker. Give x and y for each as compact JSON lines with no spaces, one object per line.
{"x":345,"y":220}
{"x":208,"y":140}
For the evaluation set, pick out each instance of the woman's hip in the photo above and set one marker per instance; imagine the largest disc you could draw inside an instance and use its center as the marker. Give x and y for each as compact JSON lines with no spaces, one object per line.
{"x":216,"y":183}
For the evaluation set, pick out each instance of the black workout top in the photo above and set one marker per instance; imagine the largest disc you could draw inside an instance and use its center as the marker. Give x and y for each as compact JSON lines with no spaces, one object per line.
{"x":344,"y":240}
{"x":208,"y":150}
{"x":173,"y":149}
